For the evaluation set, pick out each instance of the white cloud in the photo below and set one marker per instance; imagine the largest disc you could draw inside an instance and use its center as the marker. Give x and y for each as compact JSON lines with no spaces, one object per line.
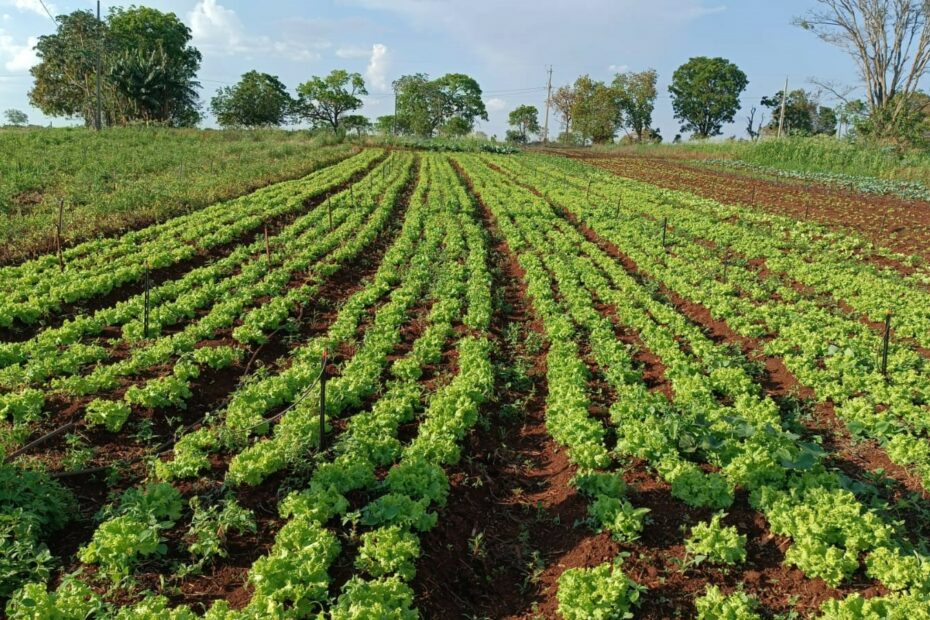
{"x":7,"y":17}
{"x":33,"y":6}
{"x":618,"y":68}
{"x":17,"y":58}
{"x":495,"y":104}
{"x":219,"y":30}
{"x":378,"y":64}
{"x":351,"y":51}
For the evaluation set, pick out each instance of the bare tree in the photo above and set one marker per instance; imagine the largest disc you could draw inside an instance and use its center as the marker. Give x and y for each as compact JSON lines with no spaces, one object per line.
{"x":889,"y":41}
{"x":751,"y":124}
{"x":563,"y":100}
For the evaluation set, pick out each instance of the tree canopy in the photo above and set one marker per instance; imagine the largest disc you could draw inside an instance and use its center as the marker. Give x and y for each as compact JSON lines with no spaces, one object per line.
{"x":525,"y":119}
{"x":323,"y":101}
{"x":257,"y":100}
{"x":148,"y":68}
{"x":636,"y":94}
{"x":16,"y":118}
{"x":804,"y":116}
{"x":705,"y":94}
{"x":889,"y":41}
{"x":448,"y":105}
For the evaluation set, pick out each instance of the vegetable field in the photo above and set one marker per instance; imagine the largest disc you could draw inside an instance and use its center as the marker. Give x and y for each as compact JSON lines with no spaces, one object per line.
{"x":472,"y":385}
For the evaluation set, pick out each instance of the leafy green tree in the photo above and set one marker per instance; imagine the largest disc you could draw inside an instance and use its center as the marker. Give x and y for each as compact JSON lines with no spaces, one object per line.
{"x":705,"y":94}
{"x":357,"y":123}
{"x":257,"y":100}
{"x":526,"y":120}
{"x":148,"y":68}
{"x":384,"y":125}
{"x":804,"y":116}
{"x":461,"y":103}
{"x":323,"y":101}
{"x":637,"y":93}
{"x":16,"y":118}
{"x":448,"y":105}
{"x":595,"y":111}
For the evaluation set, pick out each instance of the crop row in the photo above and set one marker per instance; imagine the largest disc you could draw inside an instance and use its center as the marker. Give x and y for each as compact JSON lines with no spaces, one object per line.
{"x":37,"y":288}
{"x":717,"y":409}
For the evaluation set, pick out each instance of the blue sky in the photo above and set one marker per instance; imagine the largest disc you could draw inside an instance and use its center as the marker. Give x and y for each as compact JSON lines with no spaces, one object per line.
{"x":505,"y":45}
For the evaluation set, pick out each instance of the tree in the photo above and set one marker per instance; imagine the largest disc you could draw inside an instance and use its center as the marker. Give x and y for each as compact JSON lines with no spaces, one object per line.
{"x":752,"y":128}
{"x":461,"y":103}
{"x":637,"y":93}
{"x":357,"y":123}
{"x":596,"y":111}
{"x":148,"y":68}
{"x":257,"y":100}
{"x":526,"y":120}
{"x":705,"y":94}
{"x":563,"y":100}
{"x":323,"y":101}
{"x":384,"y":125}
{"x":16,"y":118}
{"x":448,"y":105}
{"x":889,"y":40}
{"x":804,"y":116}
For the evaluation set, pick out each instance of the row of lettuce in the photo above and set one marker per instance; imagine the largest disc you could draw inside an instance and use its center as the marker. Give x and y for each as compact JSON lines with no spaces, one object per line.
{"x":439,"y":261}
{"x":718,"y":415}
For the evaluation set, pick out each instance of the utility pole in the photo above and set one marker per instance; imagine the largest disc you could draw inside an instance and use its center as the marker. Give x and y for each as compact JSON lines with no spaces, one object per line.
{"x":97,"y":118}
{"x":548,"y":100}
{"x":784,"y":101}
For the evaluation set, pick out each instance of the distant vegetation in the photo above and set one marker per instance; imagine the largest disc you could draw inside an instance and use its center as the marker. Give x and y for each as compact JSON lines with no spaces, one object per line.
{"x":132,"y":176}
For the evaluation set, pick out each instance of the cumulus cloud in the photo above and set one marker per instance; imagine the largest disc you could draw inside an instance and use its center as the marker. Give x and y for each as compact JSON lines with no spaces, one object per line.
{"x":378,"y":64}
{"x":33,"y":6}
{"x":618,"y":68}
{"x":17,"y":57}
{"x":218,"y":30}
{"x":351,"y":51}
{"x":495,"y":104}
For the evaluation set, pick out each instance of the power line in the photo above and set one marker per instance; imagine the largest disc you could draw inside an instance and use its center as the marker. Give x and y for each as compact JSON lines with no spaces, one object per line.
{"x":49,"y":13}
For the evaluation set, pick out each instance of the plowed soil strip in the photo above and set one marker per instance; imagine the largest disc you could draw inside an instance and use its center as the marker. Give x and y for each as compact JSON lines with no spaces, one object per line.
{"x":507,"y":531}
{"x":907,"y":221}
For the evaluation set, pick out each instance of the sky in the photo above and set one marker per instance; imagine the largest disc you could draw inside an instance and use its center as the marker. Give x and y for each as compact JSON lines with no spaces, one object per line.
{"x":507,"y":45}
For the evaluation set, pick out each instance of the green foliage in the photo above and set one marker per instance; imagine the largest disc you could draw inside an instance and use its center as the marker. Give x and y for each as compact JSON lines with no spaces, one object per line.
{"x":16,"y":118}
{"x":600,"y":593}
{"x":127,"y":177}
{"x":23,"y":557}
{"x":148,"y":68}
{"x":636,"y":94}
{"x":618,"y":516}
{"x":716,"y":543}
{"x":804,"y":116}
{"x":389,"y":551}
{"x":111,"y":414}
{"x":211,"y":525}
{"x":596,"y":113}
{"x":714,"y":605}
{"x":525,"y":119}
{"x":257,"y":100}
{"x":323,"y":101}
{"x":384,"y":599}
{"x":448,"y":105}
{"x":705,"y":94}
{"x":72,"y":600}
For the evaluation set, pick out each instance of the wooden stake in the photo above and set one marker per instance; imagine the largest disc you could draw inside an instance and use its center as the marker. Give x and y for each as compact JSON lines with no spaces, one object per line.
{"x":267,"y":247}
{"x":145,"y":315}
{"x":323,"y":403}
{"x":886,"y":339}
{"x":664,"y":230}
{"x":329,"y":206}
{"x":61,"y":215}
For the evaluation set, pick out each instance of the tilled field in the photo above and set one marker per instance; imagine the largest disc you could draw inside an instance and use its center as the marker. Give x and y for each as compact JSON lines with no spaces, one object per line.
{"x":468,"y":386}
